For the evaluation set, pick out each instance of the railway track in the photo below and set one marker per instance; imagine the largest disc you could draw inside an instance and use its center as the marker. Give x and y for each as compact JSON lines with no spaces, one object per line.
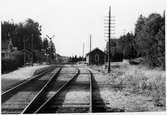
{"x":17,"y":98}
{"x":67,"y":90}
{"x":69,"y":93}
{"x":13,"y":89}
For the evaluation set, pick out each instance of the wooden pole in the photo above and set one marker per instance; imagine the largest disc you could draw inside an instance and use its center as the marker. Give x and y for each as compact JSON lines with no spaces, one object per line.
{"x":109,"y":69}
{"x":32,"y":49}
{"x":24,"y":53}
{"x":90,"y":42}
{"x":83,"y":50}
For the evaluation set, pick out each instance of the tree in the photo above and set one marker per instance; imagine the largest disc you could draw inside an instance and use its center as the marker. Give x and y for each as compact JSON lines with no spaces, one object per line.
{"x":25,"y":34}
{"x":150,"y":39}
{"x":138,"y":33}
{"x":8,"y":30}
{"x":28,"y":31}
{"x":114,"y":50}
{"x":45,"y":43}
{"x":32,"y":32}
{"x":127,"y":45}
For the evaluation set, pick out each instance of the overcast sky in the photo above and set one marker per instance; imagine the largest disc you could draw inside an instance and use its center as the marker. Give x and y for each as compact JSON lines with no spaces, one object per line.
{"x":72,"y":21}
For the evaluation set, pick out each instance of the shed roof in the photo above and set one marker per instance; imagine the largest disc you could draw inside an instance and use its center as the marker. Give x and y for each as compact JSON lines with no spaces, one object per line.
{"x":95,"y":50}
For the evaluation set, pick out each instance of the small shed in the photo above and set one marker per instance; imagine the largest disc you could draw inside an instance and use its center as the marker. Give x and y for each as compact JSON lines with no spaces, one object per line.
{"x":28,"y":55}
{"x":96,"y":57}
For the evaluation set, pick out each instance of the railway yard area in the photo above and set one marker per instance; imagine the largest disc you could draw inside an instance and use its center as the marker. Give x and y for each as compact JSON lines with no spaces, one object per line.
{"x":82,"y":89}
{"x":83,"y":57}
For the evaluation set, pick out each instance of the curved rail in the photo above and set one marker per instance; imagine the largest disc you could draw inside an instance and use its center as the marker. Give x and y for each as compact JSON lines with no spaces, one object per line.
{"x":37,"y":100}
{"x":91,"y":91}
{"x":48,"y":103}
{"x":5,"y":95}
{"x":45,"y":105}
{"x":41,"y":103}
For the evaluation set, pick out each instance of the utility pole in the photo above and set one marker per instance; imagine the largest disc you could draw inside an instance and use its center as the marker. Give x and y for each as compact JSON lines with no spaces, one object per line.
{"x":32,"y":49}
{"x":109,"y":26}
{"x":83,"y":50}
{"x":24,"y":53}
{"x":90,"y":42}
{"x":90,"y":48}
{"x":110,"y":29}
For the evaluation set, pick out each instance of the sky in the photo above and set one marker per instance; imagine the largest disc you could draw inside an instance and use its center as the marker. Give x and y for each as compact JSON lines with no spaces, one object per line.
{"x":72,"y":21}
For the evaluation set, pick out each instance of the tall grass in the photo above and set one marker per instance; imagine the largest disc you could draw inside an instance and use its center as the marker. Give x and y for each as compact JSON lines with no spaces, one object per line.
{"x":146,"y":82}
{"x":138,"y":80}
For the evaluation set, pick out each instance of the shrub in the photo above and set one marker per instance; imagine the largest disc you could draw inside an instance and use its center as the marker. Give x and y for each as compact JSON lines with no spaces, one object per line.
{"x":19,"y":57}
{"x":8,"y":64}
{"x":16,"y":60}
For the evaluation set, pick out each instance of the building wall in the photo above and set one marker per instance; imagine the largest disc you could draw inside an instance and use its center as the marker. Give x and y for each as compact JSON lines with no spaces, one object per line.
{"x":96,"y":57}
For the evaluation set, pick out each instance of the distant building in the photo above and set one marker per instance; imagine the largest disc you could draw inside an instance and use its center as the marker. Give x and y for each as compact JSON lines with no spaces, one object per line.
{"x":10,"y":52}
{"x":96,"y":56}
{"x":4,"y":51}
{"x":28,"y":55}
{"x":7,"y":49}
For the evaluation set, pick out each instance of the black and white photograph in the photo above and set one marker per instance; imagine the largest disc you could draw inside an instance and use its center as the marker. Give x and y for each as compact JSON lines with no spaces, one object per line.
{"x":83,"y":56}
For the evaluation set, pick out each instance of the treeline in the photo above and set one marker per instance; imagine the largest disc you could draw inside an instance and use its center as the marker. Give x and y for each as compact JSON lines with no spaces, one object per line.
{"x":28,"y":32}
{"x":25,"y":36}
{"x":75,"y":59}
{"x":147,"y":41}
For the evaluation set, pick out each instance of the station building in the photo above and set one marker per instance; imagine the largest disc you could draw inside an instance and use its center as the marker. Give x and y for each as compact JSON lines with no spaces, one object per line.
{"x":96,"y":56}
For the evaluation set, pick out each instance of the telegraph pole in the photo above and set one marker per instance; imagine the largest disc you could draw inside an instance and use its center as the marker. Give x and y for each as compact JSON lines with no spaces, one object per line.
{"x":90,"y":42}
{"x":24,"y":53}
{"x":32,"y":49}
{"x":110,"y":28}
{"x":83,"y":50}
{"x":90,"y":47}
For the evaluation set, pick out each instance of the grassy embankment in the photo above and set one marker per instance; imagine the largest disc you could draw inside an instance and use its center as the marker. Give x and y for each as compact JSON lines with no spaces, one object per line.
{"x":137,"y":79}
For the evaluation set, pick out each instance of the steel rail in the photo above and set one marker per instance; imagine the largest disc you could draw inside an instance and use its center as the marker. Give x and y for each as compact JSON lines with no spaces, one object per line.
{"x":32,"y":106}
{"x":46,"y":104}
{"x":91,"y":91}
{"x":5,"y":95}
